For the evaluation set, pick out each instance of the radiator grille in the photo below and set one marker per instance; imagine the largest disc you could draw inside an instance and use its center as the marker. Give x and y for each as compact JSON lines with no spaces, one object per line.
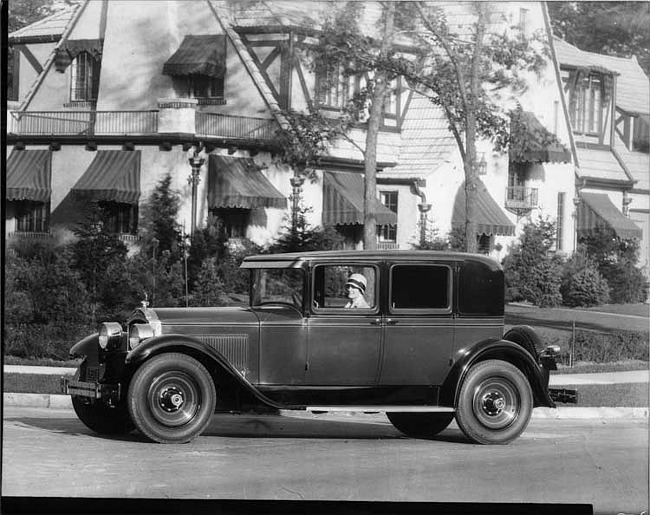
{"x":233,"y":347}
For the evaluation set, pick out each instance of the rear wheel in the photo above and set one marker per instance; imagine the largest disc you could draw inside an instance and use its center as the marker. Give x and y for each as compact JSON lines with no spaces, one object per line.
{"x":172,"y":398}
{"x":97,"y":416}
{"x":420,"y":425}
{"x":495,"y":403}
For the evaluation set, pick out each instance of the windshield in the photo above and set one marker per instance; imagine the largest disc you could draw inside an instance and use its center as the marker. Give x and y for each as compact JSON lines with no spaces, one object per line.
{"x":278,"y":286}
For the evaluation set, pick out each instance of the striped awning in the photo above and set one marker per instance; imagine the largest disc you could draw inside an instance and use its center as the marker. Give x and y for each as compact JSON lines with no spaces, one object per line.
{"x":198,"y":55}
{"x":490,"y":218}
{"x":29,"y":175}
{"x":597,"y":212}
{"x":114,"y":175}
{"x":530,"y":141}
{"x":239,"y":182}
{"x":343,"y":200}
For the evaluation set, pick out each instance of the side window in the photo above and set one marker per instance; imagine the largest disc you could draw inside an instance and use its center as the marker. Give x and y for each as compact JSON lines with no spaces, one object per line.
{"x":424,"y":287}
{"x":343,"y":286}
{"x":481,"y":290}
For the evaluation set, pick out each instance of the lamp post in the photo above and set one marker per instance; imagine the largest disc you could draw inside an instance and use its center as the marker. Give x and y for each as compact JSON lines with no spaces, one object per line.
{"x":296,"y":184}
{"x":424,"y":209}
{"x":194,"y":179}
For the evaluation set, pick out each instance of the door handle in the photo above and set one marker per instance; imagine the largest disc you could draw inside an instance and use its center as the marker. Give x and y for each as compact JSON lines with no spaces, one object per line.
{"x":390,"y":321}
{"x":376,"y":321}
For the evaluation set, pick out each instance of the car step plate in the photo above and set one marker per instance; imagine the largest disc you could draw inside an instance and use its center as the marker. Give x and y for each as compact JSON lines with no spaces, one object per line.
{"x":384,"y":409}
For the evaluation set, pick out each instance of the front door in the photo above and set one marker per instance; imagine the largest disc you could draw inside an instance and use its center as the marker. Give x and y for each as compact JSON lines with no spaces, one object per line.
{"x":344,"y":331}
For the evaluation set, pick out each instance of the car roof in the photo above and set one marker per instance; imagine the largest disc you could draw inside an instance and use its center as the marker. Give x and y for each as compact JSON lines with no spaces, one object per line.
{"x":298,"y":259}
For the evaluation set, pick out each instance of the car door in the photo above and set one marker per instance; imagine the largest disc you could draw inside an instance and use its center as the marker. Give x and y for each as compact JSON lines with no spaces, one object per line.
{"x":418,"y":325}
{"x":344,"y":344}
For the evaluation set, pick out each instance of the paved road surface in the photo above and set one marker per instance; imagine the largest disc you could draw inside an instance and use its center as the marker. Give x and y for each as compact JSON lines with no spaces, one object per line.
{"x":605,"y":462}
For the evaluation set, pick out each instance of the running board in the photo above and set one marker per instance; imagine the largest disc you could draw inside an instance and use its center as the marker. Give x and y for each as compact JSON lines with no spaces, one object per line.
{"x":384,"y":409}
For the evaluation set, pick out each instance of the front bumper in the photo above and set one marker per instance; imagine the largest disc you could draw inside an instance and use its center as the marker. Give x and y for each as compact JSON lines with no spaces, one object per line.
{"x":109,"y":393}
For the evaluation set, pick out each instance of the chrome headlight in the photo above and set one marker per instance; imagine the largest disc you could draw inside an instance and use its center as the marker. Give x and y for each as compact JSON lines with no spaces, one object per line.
{"x":140,"y":332}
{"x":110,"y":335}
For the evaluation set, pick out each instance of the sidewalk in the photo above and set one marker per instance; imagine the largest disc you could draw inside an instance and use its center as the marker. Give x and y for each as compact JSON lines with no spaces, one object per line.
{"x":639,"y":376}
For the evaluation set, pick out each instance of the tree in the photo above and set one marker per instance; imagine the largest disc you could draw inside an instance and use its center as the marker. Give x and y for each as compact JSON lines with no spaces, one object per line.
{"x":26,"y":12}
{"x":613,"y":28}
{"x":464,"y":73}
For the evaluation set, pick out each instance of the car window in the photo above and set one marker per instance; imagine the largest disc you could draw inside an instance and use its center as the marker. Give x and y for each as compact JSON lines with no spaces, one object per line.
{"x":481,"y":290}
{"x":420,"y":287}
{"x":278,"y":285}
{"x":332,"y":285}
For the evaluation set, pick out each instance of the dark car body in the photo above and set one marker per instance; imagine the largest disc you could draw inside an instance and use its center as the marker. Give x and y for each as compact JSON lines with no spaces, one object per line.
{"x":432,"y":318}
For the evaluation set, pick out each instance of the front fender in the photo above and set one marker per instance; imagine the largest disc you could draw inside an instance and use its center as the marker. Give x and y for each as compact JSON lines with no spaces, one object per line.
{"x":496,"y":349}
{"x":216,"y":363}
{"x":86,"y":347}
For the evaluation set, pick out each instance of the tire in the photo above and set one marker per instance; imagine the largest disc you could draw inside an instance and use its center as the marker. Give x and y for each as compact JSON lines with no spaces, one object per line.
{"x":420,"y":425}
{"x":495,"y":403}
{"x":171,"y":398}
{"x":526,"y":337}
{"x":97,"y":416}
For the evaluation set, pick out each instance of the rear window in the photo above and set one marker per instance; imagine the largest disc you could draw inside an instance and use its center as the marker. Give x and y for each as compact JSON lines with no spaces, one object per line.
{"x":420,"y":287}
{"x":481,"y":290}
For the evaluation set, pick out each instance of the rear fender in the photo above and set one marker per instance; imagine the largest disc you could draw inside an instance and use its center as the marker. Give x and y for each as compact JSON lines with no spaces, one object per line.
{"x":221,"y":370}
{"x":502,"y":350}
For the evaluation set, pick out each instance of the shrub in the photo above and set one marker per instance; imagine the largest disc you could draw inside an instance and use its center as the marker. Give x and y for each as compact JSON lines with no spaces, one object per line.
{"x":208,"y":290}
{"x":611,"y":347}
{"x":616,"y":260}
{"x":582,"y":284}
{"x":531,"y":272}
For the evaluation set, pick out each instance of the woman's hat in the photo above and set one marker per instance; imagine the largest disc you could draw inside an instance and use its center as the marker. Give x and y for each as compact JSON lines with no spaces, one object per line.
{"x":357,"y":281}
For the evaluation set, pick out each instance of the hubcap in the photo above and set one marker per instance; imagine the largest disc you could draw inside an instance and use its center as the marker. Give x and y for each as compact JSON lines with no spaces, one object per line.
{"x":174,"y":398}
{"x":496,"y":403}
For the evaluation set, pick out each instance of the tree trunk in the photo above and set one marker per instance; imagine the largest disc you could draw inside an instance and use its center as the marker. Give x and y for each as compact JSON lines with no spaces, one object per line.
{"x":374,"y":122}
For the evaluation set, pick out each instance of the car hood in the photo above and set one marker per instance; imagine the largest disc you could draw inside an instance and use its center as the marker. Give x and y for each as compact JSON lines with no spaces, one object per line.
{"x":198,"y":316}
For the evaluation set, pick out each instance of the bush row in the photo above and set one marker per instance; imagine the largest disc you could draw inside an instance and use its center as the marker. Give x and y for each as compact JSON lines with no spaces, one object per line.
{"x":596,"y":347}
{"x":602,"y":270}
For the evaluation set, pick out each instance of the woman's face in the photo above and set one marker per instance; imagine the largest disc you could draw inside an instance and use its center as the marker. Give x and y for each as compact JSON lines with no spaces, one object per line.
{"x":353,"y":293}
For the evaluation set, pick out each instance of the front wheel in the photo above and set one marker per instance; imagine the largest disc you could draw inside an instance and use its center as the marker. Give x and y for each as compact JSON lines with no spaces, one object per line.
{"x":495,"y":403}
{"x":420,"y":425}
{"x":172,"y":398}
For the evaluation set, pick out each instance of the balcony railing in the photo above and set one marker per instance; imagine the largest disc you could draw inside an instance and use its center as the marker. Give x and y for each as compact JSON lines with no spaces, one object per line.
{"x":238,"y":127}
{"x":521,"y":198}
{"x":132,"y":123}
{"x":83,"y":123}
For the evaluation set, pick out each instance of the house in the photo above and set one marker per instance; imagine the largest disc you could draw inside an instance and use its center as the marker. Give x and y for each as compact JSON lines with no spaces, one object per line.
{"x":109,"y":97}
{"x":608,"y":105}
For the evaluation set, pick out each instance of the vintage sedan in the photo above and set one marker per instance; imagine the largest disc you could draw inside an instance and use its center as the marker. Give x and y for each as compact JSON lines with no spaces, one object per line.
{"x":417,"y":335}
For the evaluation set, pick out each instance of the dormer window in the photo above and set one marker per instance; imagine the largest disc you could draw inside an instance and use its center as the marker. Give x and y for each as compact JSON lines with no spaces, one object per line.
{"x":587,"y":105}
{"x":84,"y":83}
{"x":198,"y":68}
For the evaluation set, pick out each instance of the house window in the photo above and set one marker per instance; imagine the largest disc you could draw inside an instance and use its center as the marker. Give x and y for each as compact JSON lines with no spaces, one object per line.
{"x":234,"y":221}
{"x":587,"y":106}
{"x":388,"y":233}
{"x":483,"y":243}
{"x":120,"y":218}
{"x":334,"y":88}
{"x":32,"y":216}
{"x":13,"y":71}
{"x":641,"y":140}
{"x":85,"y":78}
{"x":559,"y":223}
{"x":204,"y":87}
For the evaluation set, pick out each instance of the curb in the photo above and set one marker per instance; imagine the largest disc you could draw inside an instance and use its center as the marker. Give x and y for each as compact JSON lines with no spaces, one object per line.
{"x":37,"y":400}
